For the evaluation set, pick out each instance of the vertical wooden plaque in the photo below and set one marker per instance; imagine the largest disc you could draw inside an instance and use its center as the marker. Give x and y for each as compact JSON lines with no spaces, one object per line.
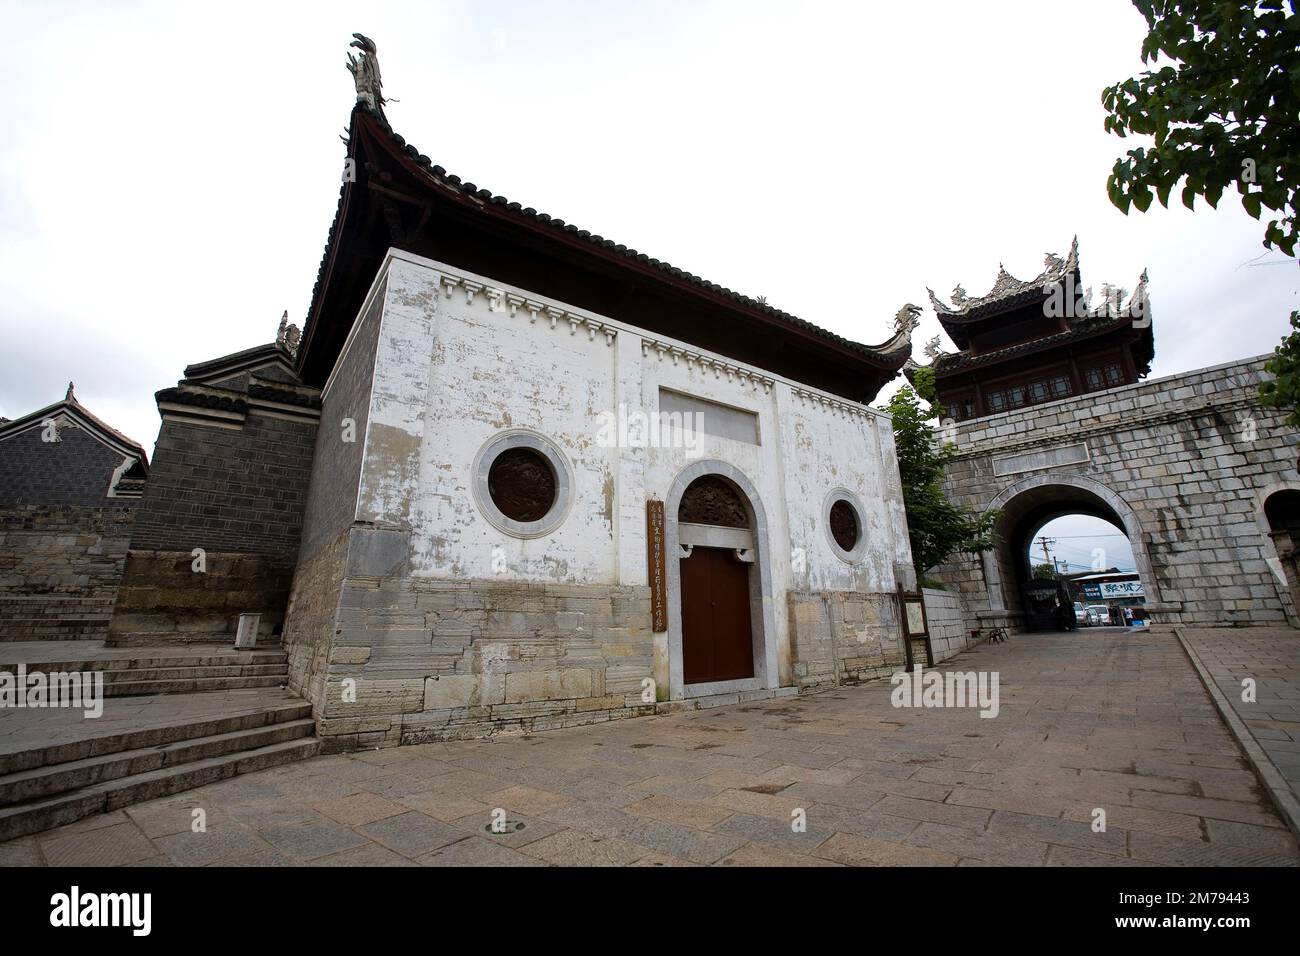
{"x":654,"y":527}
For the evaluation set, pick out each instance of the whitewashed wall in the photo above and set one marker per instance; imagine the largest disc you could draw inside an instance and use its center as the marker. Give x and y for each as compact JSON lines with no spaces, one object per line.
{"x":462,"y":358}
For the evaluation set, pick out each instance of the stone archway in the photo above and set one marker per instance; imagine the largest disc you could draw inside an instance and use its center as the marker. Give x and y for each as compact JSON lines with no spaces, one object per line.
{"x":1036,"y":500}
{"x":762,"y":613}
{"x":1277,"y":511}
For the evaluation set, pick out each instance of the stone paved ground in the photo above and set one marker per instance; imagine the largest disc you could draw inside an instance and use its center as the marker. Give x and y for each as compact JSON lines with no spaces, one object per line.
{"x":1091,"y":720}
{"x":1271,"y":656}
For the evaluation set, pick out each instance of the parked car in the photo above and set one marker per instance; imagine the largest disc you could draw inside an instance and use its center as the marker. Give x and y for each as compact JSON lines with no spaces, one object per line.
{"x":1080,"y":614}
{"x":1098,"y":615}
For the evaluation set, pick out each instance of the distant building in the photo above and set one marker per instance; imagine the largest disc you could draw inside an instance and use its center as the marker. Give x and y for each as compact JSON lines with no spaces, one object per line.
{"x":69,"y":487}
{"x":1035,"y":341}
{"x":1117,"y":588}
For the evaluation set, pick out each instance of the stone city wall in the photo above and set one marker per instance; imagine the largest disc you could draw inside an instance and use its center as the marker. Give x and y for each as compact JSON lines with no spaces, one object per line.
{"x":1185,"y":461}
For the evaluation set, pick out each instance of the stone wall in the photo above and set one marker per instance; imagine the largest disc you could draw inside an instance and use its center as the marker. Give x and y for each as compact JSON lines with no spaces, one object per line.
{"x":163,"y":599}
{"x":63,"y":539}
{"x":840,"y":637}
{"x":331,"y":507}
{"x":336,"y":464}
{"x":1184,"y":462}
{"x":233,"y":488}
{"x":438,"y":659}
{"x":947,"y":623}
{"x":227,"y":490}
{"x":60,"y":566}
{"x":311,"y":617}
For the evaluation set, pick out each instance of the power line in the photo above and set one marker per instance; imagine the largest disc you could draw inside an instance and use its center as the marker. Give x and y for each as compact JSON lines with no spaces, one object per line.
{"x":1117,"y":534}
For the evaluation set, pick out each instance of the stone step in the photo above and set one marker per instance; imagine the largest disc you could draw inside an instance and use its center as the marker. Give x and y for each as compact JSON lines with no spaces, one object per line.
{"x":115,"y":676}
{"x":188,"y":685}
{"x":156,"y":660}
{"x":29,"y":785}
{"x":42,"y":814}
{"x":261,"y":715}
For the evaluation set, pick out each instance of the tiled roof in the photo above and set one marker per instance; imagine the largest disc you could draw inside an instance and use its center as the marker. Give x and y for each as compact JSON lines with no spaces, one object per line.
{"x":238,"y":361}
{"x":1095,"y":324}
{"x":181,"y":396}
{"x":1007,"y":291}
{"x":126,"y":445}
{"x":888,"y":354}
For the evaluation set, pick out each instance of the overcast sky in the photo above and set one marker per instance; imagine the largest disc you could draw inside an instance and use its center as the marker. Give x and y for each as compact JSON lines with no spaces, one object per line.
{"x":171,"y":170}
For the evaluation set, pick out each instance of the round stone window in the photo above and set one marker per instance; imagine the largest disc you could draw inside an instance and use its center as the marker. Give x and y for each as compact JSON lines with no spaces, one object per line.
{"x":523,"y":483}
{"x":844,"y":525}
{"x":842,"y":514}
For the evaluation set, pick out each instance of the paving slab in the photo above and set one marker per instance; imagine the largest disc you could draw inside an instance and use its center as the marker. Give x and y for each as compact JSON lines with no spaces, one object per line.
{"x":1118,"y":722}
{"x":1254,"y":676}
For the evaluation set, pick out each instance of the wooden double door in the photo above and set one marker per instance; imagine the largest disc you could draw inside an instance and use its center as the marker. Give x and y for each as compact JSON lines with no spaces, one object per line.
{"x":717,"y":635}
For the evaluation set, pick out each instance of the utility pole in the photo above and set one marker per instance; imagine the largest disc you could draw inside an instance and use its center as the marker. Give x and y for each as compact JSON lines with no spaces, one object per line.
{"x":1047,"y":555}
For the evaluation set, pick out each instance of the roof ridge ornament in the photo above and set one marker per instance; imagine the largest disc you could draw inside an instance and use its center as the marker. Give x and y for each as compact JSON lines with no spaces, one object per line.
{"x":907,"y":319}
{"x":287,"y":335}
{"x":940,"y":308}
{"x":365,"y":73}
{"x":68,"y":396}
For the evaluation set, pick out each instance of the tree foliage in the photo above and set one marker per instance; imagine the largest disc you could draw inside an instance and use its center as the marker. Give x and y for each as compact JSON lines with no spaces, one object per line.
{"x":936,"y":526}
{"x":1222,"y":113}
{"x":1045,"y":572}
{"x":1284,"y":390}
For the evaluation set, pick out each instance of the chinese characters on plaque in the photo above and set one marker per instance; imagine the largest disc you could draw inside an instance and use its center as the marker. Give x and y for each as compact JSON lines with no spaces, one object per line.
{"x":654,"y":521}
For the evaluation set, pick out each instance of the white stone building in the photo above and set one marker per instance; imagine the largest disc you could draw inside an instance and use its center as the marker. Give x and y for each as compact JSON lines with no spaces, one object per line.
{"x":513,"y":475}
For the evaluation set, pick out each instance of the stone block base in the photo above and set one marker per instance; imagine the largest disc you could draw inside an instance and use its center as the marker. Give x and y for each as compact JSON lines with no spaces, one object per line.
{"x":163,"y":599}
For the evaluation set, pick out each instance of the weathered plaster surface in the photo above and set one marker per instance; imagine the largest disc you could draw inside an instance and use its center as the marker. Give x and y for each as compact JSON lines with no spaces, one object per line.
{"x":473,"y":627}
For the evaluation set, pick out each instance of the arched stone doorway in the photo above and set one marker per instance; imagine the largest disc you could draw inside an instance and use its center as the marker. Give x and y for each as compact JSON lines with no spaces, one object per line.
{"x":1031,"y":503}
{"x":719,"y":584}
{"x":1281,"y":520}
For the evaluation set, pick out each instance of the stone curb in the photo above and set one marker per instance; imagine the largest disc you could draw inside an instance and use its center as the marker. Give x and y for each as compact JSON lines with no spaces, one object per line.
{"x":1283,"y":797}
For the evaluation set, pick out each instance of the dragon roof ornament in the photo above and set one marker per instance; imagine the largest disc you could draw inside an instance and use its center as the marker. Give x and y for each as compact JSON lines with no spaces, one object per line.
{"x":365,"y":72}
{"x":1007,"y":286}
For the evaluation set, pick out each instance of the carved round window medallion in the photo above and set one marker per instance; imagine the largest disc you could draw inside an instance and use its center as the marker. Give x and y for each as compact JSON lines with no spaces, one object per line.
{"x":842,"y":518}
{"x":523,"y":484}
{"x":844,"y":525}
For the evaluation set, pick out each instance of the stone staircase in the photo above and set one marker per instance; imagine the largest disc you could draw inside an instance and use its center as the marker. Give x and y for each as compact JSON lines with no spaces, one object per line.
{"x":55,"y":617}
{"x":185,"y":720}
